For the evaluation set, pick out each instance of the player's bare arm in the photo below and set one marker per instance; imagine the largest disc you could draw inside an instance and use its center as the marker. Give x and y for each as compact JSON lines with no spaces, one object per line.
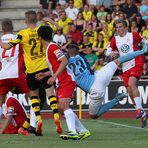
{"x":62,"y":66}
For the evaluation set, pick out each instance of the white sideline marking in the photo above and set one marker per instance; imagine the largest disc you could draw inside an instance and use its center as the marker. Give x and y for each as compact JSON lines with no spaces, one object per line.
{"x":123,"y":125}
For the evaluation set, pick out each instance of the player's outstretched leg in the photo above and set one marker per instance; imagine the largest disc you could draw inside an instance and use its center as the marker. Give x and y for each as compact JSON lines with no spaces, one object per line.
{"x":105,"y":107}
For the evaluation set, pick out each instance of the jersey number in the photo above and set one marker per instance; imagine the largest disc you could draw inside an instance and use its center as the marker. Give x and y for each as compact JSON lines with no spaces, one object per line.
{"x":33,"y":43}
{"x":77,"y":71}
{"x":11,"y":55}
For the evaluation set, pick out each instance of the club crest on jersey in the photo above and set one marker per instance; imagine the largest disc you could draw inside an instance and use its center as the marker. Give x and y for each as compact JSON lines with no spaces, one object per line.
{"x":58,"y":53}
{"x":11,"y":109}
{"x":125,"y":48}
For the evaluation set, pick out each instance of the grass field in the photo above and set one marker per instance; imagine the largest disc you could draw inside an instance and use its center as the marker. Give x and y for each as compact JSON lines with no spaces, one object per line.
{"x":105,"y":133}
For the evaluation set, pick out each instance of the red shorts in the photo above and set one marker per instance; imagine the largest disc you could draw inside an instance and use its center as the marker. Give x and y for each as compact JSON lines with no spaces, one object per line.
{"x":11,"y":129}
{"x":7,"y":84}
{"x":66,"y":90}
{"x":135,"y":71}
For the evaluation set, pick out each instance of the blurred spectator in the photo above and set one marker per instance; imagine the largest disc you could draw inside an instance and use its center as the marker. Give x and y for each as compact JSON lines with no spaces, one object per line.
{"x":92,"y":2}
{"x":99,"y":63}
{"x":116,"y":12}
{"x":95,"y":23}
{"x":80,"y":22}
{"x":63,"y":2}
{"x":91,"y":57}
{"x":122,"y":16}
{"x":99,"y":46}
{"x":78,"y":4}
{"x":85,"y":45}
{"x":87,"y":14}
{"x":44,"y":7}
{"x":59,"y":38}
{"x":140,"y":22}
{"x":90,"y":33}
{"x":106,"y":32}
{"x":130,"y":9}
{"x":69,"y":41}
{"x":57,"y":10}
{"x":71,"y":11}
{"x":134,"y":26}
{"x":106,"y":3}
{"x":101,"y":14}
{"x":75,"y":33}
{"x":110,"y":21}
{"x":145,"y":69}
{"x":118,"y":2}
{"x":145,"y":32}
{"x":63,"y":22}
{"x":40,"y":18}
{"x":144,"y":10}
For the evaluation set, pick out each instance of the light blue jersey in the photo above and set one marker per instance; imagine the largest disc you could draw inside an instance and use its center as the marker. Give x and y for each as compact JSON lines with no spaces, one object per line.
{"x":81,"y":73}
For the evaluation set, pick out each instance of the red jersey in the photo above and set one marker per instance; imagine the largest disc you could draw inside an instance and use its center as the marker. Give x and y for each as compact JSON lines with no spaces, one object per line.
{"x":13,"y":107}
{"x":127,"y":44}
{"x":53,"y":55}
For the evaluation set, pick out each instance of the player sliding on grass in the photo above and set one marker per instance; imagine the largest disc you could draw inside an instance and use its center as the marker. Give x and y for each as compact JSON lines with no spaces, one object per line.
{"x":95,"y":83}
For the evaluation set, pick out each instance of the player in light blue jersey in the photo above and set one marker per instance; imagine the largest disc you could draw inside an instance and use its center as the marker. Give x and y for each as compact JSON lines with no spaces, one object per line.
{"x":95,"y":83}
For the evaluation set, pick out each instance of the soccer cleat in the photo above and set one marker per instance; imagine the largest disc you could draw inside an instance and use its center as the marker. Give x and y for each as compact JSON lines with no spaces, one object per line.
{"x":120,"y":96}
{"x":58,"y":126}
{"x":139,"y":113}
{"x":39,"y":128}
{"x":84,"y":135}
{"x":70,"y":135}
{"x":143,"y":121}
{"x":31,"y":130}
{"x":23,"y":131}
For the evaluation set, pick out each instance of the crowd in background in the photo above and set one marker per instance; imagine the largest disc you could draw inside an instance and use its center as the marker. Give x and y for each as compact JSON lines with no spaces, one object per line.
{"x":91,"y":24}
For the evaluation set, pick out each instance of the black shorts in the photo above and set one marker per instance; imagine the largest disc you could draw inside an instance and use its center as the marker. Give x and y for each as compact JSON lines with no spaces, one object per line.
{"x":34,"y":84}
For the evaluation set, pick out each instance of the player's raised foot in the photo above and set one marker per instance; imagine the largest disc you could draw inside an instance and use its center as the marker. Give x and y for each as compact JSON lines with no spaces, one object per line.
{"x":38,"y":130}
{"x":143,"y":120}
{"x":121,"y":96}
{"x":139,"y":113}
{"x":58,"y":126}
{"x":70,"y":135}
{"x":23,"y":131}
{"x":85,"y":135}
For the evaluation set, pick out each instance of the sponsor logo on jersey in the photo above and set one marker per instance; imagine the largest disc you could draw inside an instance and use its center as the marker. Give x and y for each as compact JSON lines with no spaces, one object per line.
{"x":10,"y":109}
{"x":125,"y":48}
{"x":58,"y":53}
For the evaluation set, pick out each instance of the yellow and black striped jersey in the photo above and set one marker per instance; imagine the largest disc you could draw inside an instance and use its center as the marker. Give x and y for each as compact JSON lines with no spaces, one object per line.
{"x":34,"y":53}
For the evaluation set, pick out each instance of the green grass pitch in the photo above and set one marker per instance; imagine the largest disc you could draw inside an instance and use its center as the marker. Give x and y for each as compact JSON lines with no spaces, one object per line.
{"x":105,"y":133}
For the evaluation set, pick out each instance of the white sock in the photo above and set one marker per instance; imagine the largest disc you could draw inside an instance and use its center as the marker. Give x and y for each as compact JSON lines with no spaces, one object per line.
{"x":33,"y":120}
{"x":79,"y":126}
{"x":70,"y":120}
{"x":0,"y":111}
{"x":138,"y":103}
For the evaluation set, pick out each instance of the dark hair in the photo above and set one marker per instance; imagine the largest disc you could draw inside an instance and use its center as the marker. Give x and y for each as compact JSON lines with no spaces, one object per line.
{"x":45,"y":32}
{"x":121,"y":21}
{"x":7,"y":25}
{"x":73,"y":49}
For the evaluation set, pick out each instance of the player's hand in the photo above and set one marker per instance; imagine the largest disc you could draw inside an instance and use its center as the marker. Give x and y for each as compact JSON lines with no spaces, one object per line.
{"x":114,"y":54}
{"x":40,"y":76}
{"x":51,"y":80}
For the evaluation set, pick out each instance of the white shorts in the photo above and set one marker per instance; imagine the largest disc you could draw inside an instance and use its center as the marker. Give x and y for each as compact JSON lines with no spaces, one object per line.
{"x":97,"y":91}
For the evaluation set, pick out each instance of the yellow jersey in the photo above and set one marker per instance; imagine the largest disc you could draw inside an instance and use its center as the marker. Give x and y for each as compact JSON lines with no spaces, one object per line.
{"x":64,"y":24}
{"x":87,"y":15}
{"x":34,"y":53}
{"x":78,"y":3}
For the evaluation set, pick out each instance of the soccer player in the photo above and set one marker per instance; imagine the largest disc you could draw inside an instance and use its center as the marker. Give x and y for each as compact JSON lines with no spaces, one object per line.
{"x":65,"y":85}
{"x":122,"y":44}
{"x":15,"y":116}
{"x":35,"y":62}
{"x":95,"y":83}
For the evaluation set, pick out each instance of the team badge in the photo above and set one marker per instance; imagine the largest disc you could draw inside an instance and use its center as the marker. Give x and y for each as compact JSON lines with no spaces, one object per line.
{"x":10,"y":110}
{"x":58,"y":53}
